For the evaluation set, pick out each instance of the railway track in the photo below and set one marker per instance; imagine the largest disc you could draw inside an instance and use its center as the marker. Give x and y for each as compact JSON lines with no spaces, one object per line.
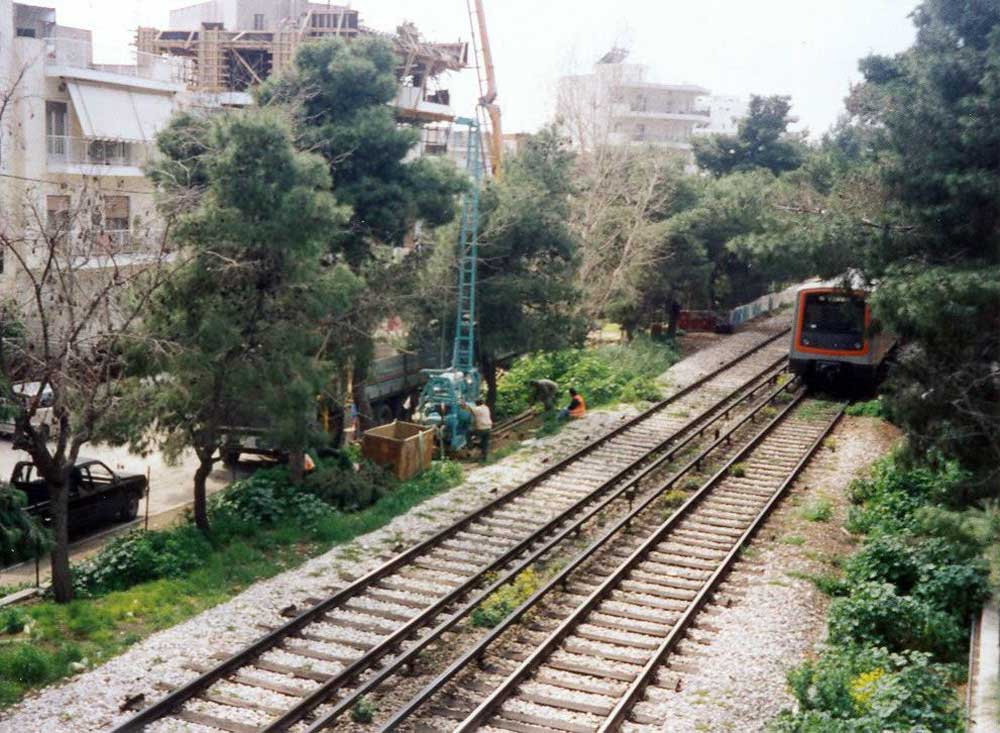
{"x":326,"y":651}
{"x":587,"y":673}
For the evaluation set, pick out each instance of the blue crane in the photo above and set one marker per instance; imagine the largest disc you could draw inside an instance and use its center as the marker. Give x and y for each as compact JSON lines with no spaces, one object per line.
{"x":446,"y":389}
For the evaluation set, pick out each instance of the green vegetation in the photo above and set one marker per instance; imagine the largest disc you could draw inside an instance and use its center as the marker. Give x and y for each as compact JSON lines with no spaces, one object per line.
{"x":145,"y":582}
{"x":898,"y":624}
{"x":21,"y":536}
{"x":603,"y":375}
{"x":499,"y":604}
{"x":363,"y":711}
{"x":817,"y":510}
{"x":871,"y":408}
{"x":738,"y":470}
{"x":872,"y":689}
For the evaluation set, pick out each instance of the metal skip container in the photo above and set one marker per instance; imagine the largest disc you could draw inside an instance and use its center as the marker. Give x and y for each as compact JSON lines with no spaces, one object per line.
{"x":403,"y":447}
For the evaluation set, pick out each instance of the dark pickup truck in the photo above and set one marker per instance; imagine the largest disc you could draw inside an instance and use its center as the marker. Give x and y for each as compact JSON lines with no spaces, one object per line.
{"x":97,"y":494}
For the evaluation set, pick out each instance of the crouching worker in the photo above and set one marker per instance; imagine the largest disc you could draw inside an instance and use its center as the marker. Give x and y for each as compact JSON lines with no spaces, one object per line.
{"x":482,"y":423}
{"x":544,"y":391}
{"x":577,"y":407}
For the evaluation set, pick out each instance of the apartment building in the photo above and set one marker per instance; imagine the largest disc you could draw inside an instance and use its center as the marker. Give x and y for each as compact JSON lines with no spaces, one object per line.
{"x":724,"y":114}
{"x":75,"y":133}
{"x":619,"y":104}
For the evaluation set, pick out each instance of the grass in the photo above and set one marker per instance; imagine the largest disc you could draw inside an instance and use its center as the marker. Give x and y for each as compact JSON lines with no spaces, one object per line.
{"x":738,"y":470}
{"x":817,"y":510}
{"x":44,"y":642}
{"x":793,"y":539}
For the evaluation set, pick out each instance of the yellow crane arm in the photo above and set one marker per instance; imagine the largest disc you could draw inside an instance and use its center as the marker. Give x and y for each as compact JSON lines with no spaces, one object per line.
{"x":490,"y":93}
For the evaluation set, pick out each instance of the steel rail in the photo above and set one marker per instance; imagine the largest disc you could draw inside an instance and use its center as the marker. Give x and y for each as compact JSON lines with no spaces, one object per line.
{"x":558,"y":580}
{"x":175,"y":699}
{"x":638,"y":686}
{"x":626,"y":489}
{"x":496,"y":699}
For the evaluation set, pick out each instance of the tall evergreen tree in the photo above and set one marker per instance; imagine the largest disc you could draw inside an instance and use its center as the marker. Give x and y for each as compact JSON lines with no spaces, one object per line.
{"x":762,"y":141}
{"x":341,"y":96}
{"x":936,"y":107}
{"x":237,"y":326}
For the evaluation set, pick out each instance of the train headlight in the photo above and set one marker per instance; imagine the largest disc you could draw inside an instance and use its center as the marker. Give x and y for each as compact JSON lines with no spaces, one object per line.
{"x":806,"y":342}
{"x":857,"y":345}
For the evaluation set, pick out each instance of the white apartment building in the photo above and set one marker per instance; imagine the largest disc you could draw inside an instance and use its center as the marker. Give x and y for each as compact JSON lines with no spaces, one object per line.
{"x":73,"y":129}
{"x":724,"y":114}
{"x":618,"y":104}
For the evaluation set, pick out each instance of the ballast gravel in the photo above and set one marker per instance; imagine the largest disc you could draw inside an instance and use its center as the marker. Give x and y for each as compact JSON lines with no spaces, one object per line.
{"x":736,"y":681}
{"x":90,"y":701}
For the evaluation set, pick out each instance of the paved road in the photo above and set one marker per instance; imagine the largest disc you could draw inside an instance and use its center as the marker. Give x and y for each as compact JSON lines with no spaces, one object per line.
{"x":170,"y":491}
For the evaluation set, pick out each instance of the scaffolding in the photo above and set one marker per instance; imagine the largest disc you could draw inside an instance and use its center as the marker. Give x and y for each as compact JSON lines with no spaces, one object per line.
{"x":221,"y":60}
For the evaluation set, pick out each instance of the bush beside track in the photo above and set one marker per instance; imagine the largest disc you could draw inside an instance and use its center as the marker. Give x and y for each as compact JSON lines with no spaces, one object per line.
{"x":898,"y":624}
{"x":603,"y":375}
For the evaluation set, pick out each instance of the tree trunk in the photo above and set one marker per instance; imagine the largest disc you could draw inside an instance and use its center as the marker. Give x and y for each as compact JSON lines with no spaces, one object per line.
{"x":296,"y":466}
{"x":200,"y":495}
{"x":675,"y":314}
{"x":489,"y":367}
{"x":359,"y":394}
{"x":62,"y":582}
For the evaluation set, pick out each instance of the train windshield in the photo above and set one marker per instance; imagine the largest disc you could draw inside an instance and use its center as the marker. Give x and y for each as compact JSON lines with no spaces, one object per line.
{"x":835,"y":314}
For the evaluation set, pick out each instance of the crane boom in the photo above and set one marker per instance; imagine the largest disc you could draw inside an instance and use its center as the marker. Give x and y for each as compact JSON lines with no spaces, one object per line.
{"x":488,"y":91}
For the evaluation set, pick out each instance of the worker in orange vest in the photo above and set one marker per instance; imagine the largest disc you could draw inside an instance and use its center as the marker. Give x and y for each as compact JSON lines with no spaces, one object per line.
{"x":577,"y":407}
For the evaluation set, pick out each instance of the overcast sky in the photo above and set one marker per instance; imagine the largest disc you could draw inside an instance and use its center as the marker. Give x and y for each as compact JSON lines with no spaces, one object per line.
{"x":806,"y":48}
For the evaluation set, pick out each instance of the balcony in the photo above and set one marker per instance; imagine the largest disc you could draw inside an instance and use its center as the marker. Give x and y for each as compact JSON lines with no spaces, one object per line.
{"x":83,"y":156}
{"x":74,"y":57}
{"x":680,"y":114}
{"x":411,"y":103}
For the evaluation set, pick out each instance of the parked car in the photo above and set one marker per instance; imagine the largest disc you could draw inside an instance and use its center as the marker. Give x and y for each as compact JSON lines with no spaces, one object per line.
{"x":97,"y":494}
{"x":26,"y":391}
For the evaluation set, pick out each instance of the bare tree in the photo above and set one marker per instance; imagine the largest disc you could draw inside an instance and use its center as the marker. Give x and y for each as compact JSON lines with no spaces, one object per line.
{"x":81,"y":287}
{"x":623,"y":192}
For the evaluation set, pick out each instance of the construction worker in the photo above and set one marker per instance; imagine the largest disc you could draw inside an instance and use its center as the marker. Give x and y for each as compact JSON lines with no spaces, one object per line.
{"x":482,"y":423}
{"x":544,"y":391}
{"x":577,"y":406}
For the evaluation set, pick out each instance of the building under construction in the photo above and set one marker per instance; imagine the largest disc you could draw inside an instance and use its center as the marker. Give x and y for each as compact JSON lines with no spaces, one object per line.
{"x":227,"y":46}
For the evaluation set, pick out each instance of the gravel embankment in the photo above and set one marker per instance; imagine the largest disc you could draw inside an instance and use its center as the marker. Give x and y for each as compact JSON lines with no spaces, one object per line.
{"x":90,"y":701}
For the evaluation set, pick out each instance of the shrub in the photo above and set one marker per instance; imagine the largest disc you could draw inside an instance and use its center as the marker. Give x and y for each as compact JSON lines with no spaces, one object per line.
{"x":871,"y":408}
{"x":889,"y":500}
{"x":818,"y":510}
{"x":352,"y":486}
{"x":21,"y":535}
{"x":853,"y":691}
{"x":267,"y":498}
{"x":498,"y":605}
{"x":874,"y":614}
{"x":13,"y":621}
{"x":363,"y":711}
{"x":141,"y":556}
{"x":603,"y":375}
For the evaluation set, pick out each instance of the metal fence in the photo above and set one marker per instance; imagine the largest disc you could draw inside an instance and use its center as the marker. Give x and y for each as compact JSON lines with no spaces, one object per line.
{"x":763,"y":304}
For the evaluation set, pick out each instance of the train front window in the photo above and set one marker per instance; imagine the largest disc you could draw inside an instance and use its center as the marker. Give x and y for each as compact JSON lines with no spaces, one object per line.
{"x":833,"y":321}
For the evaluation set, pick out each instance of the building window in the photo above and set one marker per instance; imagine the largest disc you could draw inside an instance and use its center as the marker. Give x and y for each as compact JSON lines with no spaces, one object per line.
{"x":116,"y":220}
{"x":640,"y":132}
{"x":56,"y":129}
{"x":258,"y":21}
{"x":25,"y":33}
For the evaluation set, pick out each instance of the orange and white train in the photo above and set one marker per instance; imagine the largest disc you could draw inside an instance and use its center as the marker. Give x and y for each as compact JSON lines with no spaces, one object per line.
{"x":835,"y":343}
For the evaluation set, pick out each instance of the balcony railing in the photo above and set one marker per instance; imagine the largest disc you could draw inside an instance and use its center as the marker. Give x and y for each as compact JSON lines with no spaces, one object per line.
{"x":78,"y":54}
{"x":82,"y":151}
